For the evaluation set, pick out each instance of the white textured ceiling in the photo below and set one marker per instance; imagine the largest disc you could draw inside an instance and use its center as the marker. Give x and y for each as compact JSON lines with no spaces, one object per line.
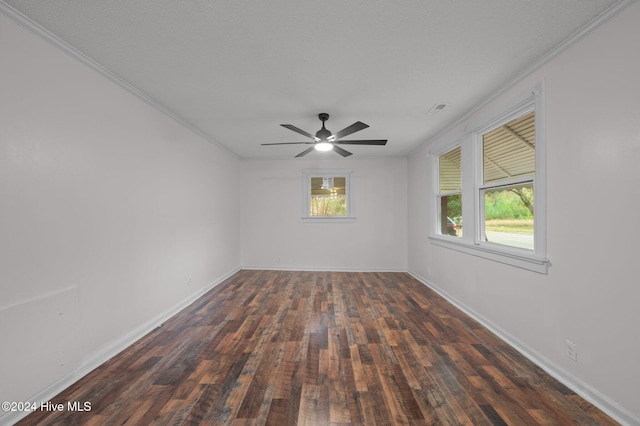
{"x":236,"y":70}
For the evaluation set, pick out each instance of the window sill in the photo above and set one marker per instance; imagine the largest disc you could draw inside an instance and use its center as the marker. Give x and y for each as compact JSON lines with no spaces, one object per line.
{"x":514,"y":257}
{"x":328,"y":219}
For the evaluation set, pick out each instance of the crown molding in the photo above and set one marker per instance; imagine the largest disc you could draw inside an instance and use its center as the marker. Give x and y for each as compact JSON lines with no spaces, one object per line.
{"x":43,"y":33}
{"x":587,"y":29}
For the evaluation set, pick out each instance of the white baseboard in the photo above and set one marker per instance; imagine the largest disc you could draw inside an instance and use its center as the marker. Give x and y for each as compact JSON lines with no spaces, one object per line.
{"x":110,"y":351}
{"x":320,"y":269}
{"x":604,"y":403}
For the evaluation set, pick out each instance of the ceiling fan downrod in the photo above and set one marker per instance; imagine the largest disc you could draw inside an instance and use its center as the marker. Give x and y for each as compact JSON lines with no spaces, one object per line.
{"x":323,"y":134}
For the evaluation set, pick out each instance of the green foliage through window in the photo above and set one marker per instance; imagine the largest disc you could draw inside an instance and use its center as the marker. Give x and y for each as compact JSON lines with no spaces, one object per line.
{"x":509,"y":204}
{"x":327,"y":206}
{"x":328,"y":196}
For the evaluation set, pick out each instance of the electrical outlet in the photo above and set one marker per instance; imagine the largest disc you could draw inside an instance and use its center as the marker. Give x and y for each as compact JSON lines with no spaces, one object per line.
{"x":572,"y":352}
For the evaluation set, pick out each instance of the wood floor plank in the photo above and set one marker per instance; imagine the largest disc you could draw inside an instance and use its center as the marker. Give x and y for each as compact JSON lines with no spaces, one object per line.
{"x":331,"y":348}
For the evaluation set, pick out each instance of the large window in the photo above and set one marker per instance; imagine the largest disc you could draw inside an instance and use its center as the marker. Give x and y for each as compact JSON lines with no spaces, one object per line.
{"x":506,"y":192}
{"x":327,"y":194}
{"x":492,"y":180}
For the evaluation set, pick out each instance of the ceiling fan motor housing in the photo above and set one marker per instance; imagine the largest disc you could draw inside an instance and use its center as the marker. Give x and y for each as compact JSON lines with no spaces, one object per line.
{"x":323,"y":134}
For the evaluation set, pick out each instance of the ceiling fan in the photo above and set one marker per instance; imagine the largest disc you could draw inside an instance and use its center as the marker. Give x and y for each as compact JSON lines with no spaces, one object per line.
{"x":324,"y":140}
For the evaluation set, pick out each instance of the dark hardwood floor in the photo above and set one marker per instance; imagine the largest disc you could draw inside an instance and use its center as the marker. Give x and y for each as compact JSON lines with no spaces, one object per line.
{"x":321,"y":348}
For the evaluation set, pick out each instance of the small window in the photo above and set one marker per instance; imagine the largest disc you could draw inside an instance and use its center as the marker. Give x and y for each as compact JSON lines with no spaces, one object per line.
{"x":507,"y":185}
{"x":327,"y":194}
{"x":450,"y":193}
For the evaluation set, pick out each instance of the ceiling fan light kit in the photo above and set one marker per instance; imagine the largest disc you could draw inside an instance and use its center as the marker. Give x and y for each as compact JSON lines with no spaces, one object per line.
{"x":324,"y":140}
{"x":323,"y":146}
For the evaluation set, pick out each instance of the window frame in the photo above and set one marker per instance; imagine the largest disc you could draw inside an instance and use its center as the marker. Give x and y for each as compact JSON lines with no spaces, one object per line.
{"x":481,"y":186}
{"x":306,"y":195}
{"x":473,"y":183}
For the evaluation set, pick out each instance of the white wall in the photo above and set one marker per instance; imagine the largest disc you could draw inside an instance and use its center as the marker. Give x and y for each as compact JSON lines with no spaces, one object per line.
{"x":107,"y":207}
{"x":591,"y":293}
{"x":274,"y":236}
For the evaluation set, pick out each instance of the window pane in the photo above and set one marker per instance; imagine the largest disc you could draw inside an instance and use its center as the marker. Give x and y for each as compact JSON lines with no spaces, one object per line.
{"x":508,"y":215}
{"x":450,"y":170}
{"x":328,"y":196}
{"x":451,"y":215}
{"x":509,"y":150}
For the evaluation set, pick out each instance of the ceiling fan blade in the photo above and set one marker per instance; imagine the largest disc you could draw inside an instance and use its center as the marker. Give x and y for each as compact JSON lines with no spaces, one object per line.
{"x":297,"y":130}
{"x":341,"y":151}
{"x":364,"y":142}
{"x":305,"y":152}
{"x":289,"y":143}
{"x":355,"y":127}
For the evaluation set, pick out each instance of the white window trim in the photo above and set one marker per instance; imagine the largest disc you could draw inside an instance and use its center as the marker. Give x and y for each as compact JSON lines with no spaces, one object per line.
{"x":470,"y":243}
{"x":307,"y":174}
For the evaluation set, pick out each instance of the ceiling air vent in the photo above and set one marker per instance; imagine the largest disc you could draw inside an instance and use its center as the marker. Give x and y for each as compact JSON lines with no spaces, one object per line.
{"x":436,"y":109}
